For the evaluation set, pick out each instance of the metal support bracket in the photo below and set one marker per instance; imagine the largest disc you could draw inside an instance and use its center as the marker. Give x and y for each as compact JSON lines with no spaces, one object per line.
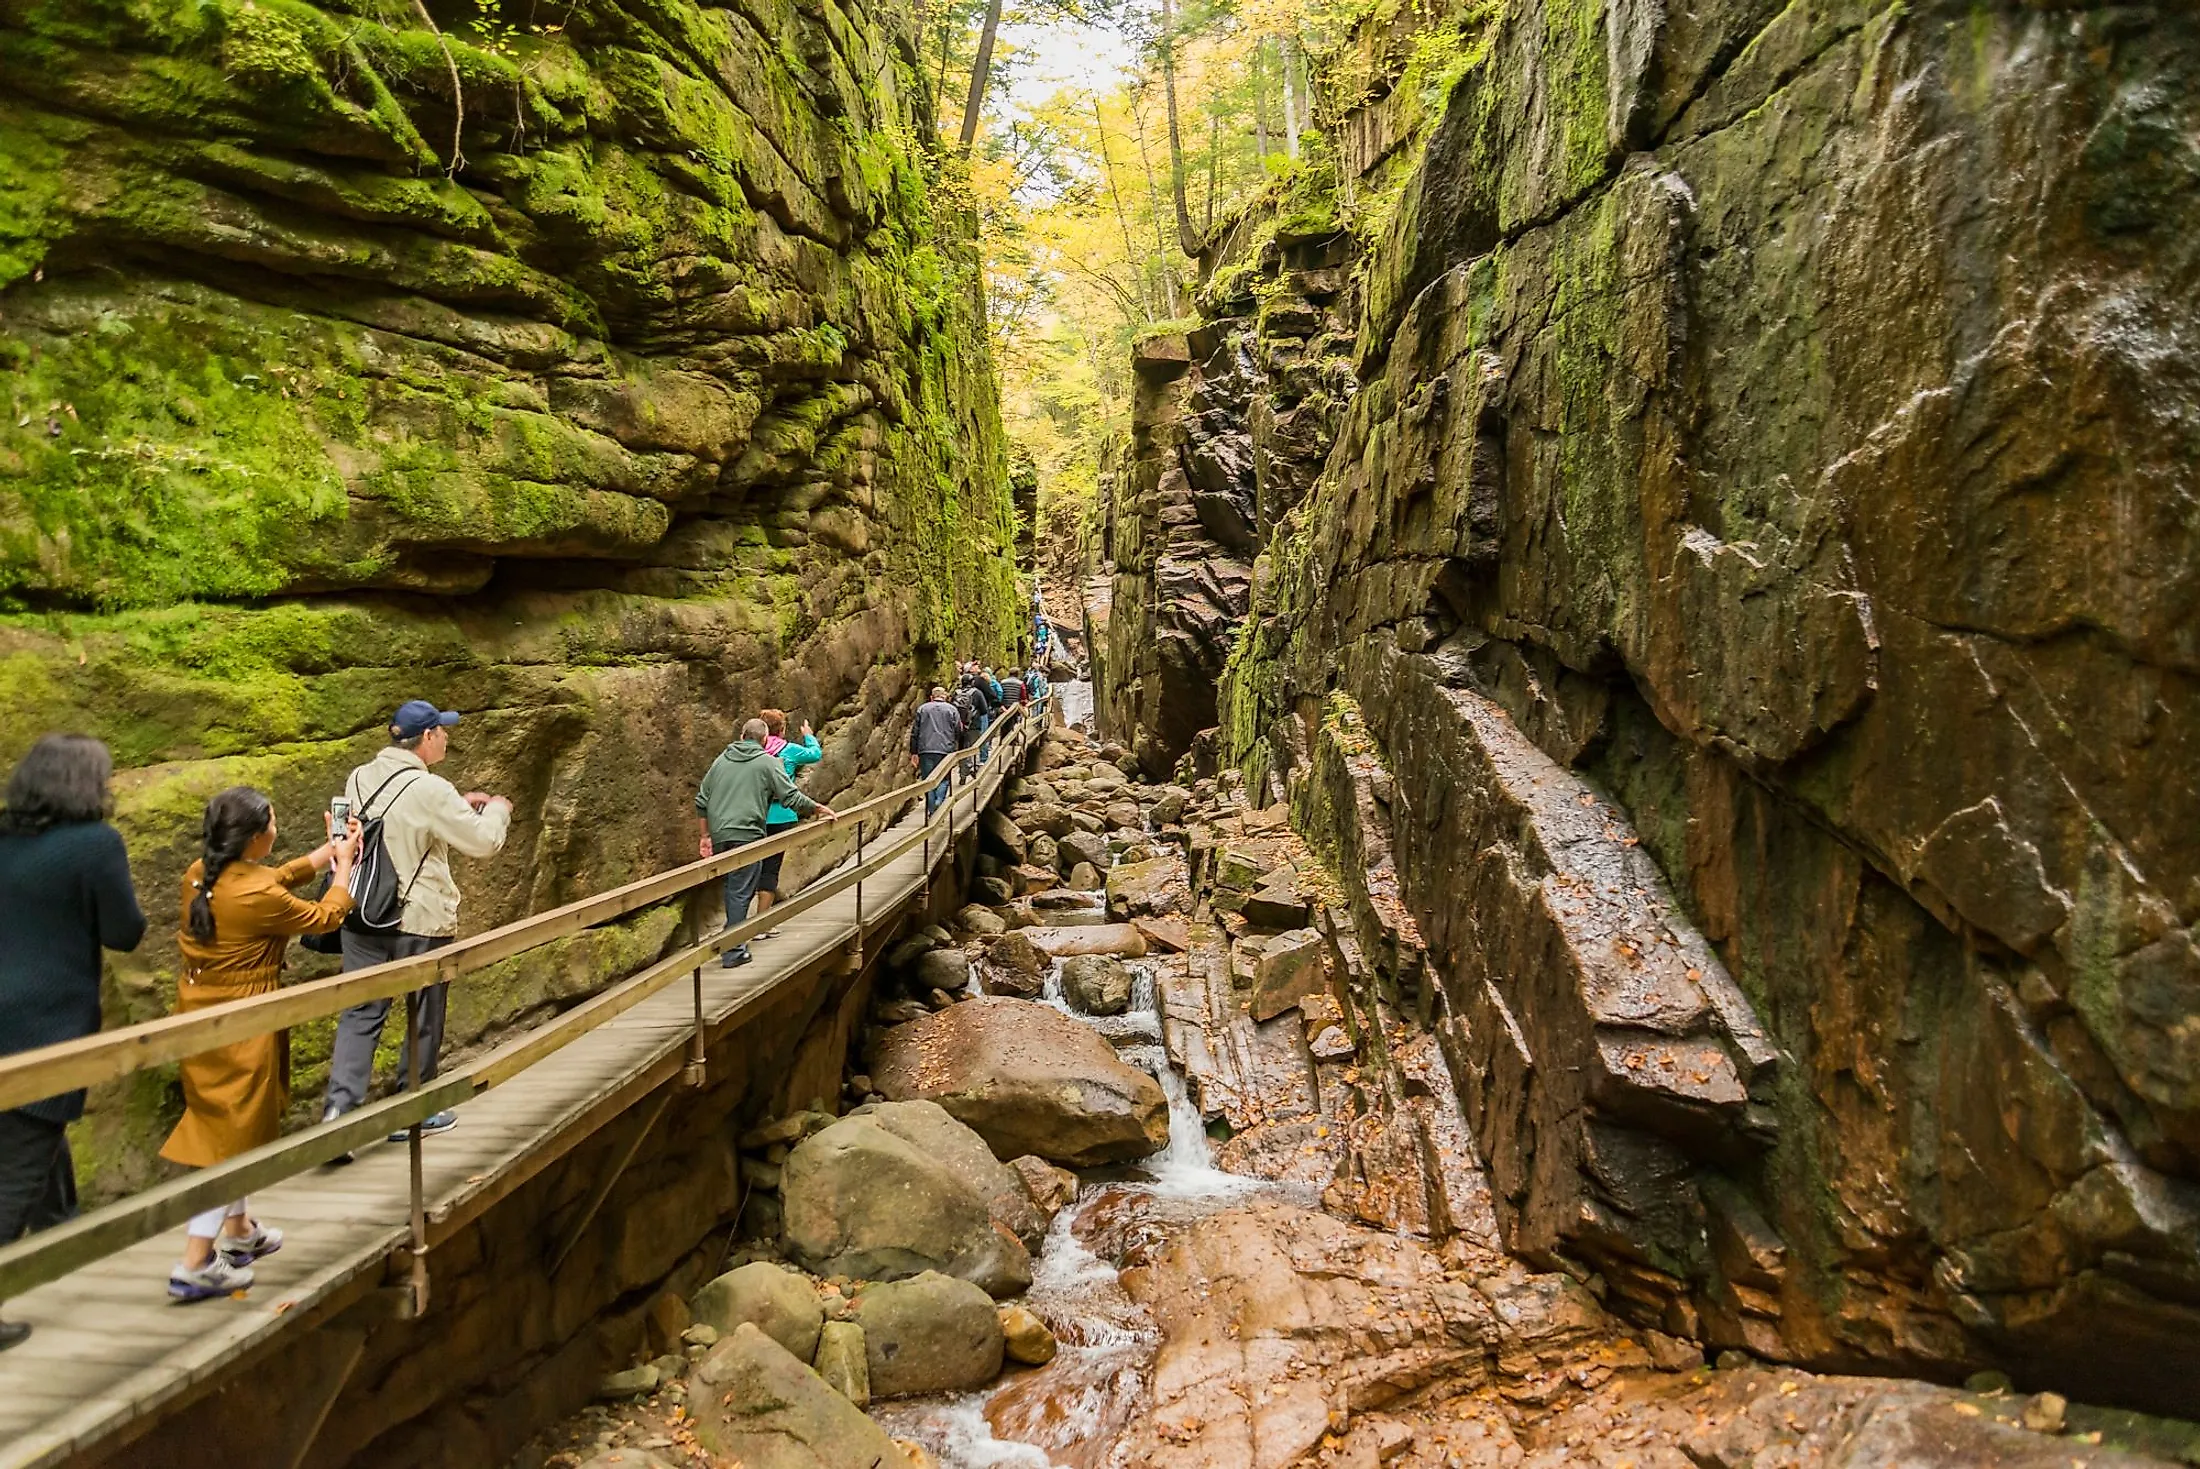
{"x":419,"y":1244}
{"x":696,"y":1072}
{"x":607,"y":1178}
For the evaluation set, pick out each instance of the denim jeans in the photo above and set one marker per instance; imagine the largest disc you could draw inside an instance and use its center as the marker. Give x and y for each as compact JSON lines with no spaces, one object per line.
{"x":926,"y":764}
{"x":740,"y":888}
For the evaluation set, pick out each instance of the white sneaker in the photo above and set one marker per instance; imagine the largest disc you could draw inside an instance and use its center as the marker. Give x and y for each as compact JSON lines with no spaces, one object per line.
{"x":243,"y":1249}
{"x":217,"y":1277}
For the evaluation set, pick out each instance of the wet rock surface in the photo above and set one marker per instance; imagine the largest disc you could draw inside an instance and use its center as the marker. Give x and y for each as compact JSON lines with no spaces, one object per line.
{"x":1323,"y":1284}
{"x":1650,"y":494}
{"x":1027,"y":1079}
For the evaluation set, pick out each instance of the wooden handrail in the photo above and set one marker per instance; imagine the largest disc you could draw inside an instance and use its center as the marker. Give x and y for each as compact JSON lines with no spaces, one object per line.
{"x":108,"y":1055}
{"x":54,"y":1253}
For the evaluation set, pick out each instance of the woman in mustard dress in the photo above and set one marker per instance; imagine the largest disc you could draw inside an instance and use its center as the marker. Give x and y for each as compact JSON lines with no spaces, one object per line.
{"x":238,"y":919}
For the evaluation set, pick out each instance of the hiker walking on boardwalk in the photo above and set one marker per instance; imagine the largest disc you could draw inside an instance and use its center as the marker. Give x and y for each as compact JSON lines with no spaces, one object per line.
{"x":935,"y":734}
{"x":793,"y":754}
{"x":975,"y":705}
{"x":737,"y":794}
{"x":407,"y":903}
{"x":238,"y":920}
{"x":65,"y":894}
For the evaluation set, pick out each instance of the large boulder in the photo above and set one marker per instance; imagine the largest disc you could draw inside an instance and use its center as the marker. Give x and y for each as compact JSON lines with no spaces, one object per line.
{"x":1096,"y":984}
{"x":932,"y":1333}
{"x":864,"y":1200}
{"x":975,"y":919}
{"x":927,"y":1125}
{"x":1148,"y":889}
{"x":942,"y":969}
{"x":1044,"y":816}
{"x":754,"y":1404}
{"x":1290,"y":968}
{"x":1027,"y":1079}
{"x":774,"y":1300}
{"x":1003,"y":836}
{"x":1083,"y":846}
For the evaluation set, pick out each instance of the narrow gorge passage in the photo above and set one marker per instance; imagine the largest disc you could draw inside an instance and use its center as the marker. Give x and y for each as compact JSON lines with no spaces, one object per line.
{"x":1612,"y":881}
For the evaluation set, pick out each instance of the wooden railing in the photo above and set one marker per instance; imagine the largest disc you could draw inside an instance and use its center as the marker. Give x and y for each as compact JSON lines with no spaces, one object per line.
{"x":28,"y":1076}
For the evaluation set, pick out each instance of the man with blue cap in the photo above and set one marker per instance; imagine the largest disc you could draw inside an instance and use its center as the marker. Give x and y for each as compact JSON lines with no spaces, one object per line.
{"x":423,"y":820}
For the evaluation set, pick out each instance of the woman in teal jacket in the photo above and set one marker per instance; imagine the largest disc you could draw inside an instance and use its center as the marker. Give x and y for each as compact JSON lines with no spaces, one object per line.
{"x":794,"y":754}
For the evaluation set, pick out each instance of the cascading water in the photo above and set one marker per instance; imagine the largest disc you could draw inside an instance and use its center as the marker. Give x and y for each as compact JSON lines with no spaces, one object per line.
{"x":1075,"y":700}
{"x":1063,"y":1415}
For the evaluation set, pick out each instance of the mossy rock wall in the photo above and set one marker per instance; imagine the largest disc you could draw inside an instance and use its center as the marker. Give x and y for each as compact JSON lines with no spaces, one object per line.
{"x":660,"y":394}
{"x":1775,"y":411}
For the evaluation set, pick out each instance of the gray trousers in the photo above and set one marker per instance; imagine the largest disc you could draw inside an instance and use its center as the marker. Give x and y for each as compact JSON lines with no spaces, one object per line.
{"x":359,"y":1029}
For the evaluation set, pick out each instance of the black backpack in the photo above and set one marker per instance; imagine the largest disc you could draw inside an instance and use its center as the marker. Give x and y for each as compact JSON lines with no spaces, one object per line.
{"x":377,"y":902}
{"x":971,"y":705}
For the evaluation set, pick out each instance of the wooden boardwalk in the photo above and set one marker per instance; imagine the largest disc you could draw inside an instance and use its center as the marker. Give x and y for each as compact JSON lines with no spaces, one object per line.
{"x":110,"y":1348}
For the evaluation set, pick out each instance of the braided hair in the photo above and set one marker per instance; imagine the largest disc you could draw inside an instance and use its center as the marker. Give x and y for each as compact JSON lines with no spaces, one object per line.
{"x":233,"y":819}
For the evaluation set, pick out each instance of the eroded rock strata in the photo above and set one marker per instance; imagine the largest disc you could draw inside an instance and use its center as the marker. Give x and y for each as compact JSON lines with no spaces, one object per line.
{"x":1743,"y":632}
{"x":655,"y":394}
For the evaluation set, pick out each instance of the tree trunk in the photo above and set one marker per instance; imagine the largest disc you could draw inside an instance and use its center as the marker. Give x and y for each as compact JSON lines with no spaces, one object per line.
{"x":978,"y":70}
{"x":1122,"y":216}
{"x":1293,"y":80}
{"x":1153,"y":198}
{"x":1260,"y":103}
{"x":1214,"y":166}
{"x":1187,"y":239}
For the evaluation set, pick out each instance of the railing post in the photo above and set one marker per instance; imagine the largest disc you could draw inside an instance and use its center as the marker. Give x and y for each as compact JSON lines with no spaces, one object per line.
{"x":412,"y":1145}
{"x":859,"y":892}
{"x":697,"y":1070}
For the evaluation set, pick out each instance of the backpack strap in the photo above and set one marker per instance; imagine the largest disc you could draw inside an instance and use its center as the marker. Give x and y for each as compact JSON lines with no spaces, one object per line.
{"x":385,"y":785}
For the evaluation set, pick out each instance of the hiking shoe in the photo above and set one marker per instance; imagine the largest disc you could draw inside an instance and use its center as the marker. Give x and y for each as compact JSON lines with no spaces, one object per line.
{"x":217,"y":1277}
{"x":243,"y":1249}
{"x":433,"y":1123}
{"x":13,"y":1333}
{"x":341,"y":1158}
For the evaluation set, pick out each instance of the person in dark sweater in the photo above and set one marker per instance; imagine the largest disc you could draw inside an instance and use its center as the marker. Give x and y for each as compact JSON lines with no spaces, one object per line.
{"x":65,"y":894}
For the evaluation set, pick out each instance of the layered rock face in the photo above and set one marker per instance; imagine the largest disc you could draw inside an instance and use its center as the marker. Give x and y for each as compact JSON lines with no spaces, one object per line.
{"x":1229,"y":425}
{"x":1744,"y":633}
{"x":604,"y":374}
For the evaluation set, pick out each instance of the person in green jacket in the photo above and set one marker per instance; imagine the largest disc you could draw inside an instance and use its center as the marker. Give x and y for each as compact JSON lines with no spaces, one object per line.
{"x":794,"y":754}
{"x":737,"y":793}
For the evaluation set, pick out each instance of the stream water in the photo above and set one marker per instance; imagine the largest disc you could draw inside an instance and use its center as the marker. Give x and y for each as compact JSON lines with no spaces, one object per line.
{"x":1075,"y":700}
{"x":1065,"y":1414}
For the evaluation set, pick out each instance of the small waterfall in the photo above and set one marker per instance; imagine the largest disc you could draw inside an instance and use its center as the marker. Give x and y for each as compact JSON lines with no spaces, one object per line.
{"x":1075,"y":699}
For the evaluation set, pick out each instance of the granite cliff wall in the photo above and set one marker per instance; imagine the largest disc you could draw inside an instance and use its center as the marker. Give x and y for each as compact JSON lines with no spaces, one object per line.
{"x":1743,"y":641}
{"x":656,"y":394}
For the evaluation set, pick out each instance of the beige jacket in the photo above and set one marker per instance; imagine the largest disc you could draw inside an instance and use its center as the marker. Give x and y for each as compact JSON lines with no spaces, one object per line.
{"x":424,"y":819}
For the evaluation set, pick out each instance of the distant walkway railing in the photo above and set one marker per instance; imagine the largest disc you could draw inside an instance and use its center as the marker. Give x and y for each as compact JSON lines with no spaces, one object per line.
{"x":29,"y":1076}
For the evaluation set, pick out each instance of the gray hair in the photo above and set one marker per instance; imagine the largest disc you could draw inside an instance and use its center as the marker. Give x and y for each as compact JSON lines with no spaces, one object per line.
{"x":757,"y":730}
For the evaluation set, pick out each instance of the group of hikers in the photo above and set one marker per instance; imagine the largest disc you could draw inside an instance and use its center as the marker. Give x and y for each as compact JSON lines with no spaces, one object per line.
{"x":386,"y":892}
{"x":948,"y":723}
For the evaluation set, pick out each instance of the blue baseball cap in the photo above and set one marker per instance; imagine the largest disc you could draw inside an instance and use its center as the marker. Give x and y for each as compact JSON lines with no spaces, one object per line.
{"x":415,"y":717}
